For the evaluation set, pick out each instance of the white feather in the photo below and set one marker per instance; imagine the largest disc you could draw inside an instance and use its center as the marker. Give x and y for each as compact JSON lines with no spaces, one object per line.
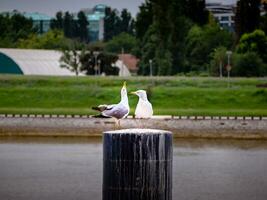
{"x":144,"y":107}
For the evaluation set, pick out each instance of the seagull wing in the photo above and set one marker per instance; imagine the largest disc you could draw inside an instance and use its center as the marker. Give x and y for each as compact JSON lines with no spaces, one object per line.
{"x":118,"y":111}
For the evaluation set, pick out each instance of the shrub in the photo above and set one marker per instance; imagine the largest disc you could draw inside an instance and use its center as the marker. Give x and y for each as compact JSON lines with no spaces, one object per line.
{"x":248,"y":64}
{"x":254,"y":42}
{"x":123,"y":40}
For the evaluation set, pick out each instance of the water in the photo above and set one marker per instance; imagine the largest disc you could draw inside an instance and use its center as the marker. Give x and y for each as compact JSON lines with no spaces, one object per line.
{"x":41,"y":168}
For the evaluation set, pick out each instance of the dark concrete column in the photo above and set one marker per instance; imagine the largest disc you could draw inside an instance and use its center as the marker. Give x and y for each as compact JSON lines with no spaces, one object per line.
{"x":137,"y":165}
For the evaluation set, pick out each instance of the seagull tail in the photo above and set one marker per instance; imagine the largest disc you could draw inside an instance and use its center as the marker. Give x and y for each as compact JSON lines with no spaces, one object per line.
{"x":96,"y":108}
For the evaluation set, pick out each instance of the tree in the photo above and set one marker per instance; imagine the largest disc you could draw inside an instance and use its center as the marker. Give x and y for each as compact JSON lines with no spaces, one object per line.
{"x":254,"y":42}
{"x":247,"y":17}
{"x":69,"y":25}
{"x":106,"y":59}
{"x":263,"y":24}
{"x":161,"y":20}
{"x":115,"y":24}
{"x":179,"y":27}
{"x":21,"y":27}
{"x":168,"y":28}
{"x":6,"y":39}
{"x":88,"y":62}
{"x":163,"y":61}
{"x":111,"y":24}
{"x":144,"y":19}
{"x":172,"y":21}
{"x":88,"y":59}
{"x":196,"y":11}
{"x":148,"y":48}
{"x":170,"y":36}
{"x":96,"y":46}
{"x":57,"y":23}
{"x":126,"y":22}
{"x":248,"y":64}
{"x":218,"y":61}
{"x":122,"y":42}
{"x":70,"y":59}
{"x":201,"y":42}
{"x":75,"y":29}
{"x":82,"y":27}
{"x":53,"y":39}
{"x":132,"y":30}
{"x":13,"y":28}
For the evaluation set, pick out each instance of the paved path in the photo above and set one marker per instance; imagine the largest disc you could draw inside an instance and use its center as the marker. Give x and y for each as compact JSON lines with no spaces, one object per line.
{"x":239,"y":128}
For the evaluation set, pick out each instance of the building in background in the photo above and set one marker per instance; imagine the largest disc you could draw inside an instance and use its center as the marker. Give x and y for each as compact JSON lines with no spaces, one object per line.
{"x":127,"y":64}
{"x":40,"y":21}
{"x":95,"y":17}
{"x":224,"y":14}
{"x":47,"y":62}
{"x":32,"y":62}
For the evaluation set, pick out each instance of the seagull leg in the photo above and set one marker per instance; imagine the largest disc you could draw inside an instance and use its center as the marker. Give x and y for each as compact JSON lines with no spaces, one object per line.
{"x":119,"y":123}
{"x":115,"y":124}
{"x":142,"y":123}
{"x":138,"y":122}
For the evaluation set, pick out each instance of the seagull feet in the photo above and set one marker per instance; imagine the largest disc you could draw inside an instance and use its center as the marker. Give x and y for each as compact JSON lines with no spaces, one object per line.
{"x":117,"y":124}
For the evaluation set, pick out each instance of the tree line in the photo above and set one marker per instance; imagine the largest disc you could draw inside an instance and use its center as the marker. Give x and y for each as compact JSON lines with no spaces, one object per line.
{"x":71,"y":27}
{"x":178,"y":36}
{"x":183,"y":37}
{"x":115,"y":22}
{"x":14,"y":28}
{"x":19,"y":31}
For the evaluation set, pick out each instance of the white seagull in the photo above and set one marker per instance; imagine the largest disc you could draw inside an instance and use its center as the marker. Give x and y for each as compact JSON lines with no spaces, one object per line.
{"x":144,"y":108}
{"x":116,"y":111}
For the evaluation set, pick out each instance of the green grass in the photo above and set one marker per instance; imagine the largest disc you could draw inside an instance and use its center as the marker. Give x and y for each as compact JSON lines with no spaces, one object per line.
{"x":169,"y":95}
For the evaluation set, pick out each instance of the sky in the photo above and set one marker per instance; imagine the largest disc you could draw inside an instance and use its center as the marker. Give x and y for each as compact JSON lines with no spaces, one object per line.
{"x":50,"y":7}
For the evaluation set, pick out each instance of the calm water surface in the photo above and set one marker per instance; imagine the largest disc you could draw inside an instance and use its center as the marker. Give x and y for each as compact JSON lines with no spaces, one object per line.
{"x":68,"y":169}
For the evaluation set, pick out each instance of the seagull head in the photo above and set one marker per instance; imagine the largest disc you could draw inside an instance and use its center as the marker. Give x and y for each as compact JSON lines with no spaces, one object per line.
{"x":141,"y":94}
{"x":124,"y":90}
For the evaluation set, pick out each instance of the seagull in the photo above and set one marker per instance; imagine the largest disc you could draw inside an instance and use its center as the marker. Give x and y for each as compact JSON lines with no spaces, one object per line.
{"x":144,"y":108}
{"x":117,"y":111}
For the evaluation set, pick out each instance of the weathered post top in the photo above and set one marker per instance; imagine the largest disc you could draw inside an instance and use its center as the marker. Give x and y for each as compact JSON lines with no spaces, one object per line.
{"x":138,"y":131}
{"x":137,"y":164}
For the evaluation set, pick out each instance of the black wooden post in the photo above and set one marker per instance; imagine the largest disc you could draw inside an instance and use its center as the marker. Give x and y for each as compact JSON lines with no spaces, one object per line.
{"x":137,"y":165}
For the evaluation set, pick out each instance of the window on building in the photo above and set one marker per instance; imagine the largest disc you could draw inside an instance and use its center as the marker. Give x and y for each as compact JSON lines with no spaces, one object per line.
{"x":225,"y":25}
{"x":224,"y":18}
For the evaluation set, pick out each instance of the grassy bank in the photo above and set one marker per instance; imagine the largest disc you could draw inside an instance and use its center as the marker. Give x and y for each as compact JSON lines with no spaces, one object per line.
{"x":169,"y":95}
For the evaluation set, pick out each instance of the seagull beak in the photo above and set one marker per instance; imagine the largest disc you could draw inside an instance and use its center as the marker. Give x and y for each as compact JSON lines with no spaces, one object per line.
{"x":124,"y":84}
{"x":133,"y":93}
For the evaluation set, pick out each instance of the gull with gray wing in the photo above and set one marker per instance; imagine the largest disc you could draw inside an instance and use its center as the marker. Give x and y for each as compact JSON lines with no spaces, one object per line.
{"x":117,"y":111}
